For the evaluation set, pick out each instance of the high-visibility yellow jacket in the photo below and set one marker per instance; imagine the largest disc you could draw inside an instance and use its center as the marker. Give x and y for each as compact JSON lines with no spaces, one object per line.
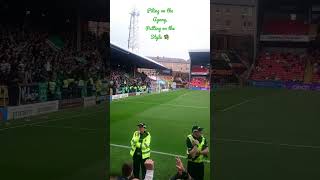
{"x":65,"y":83}
{"x":52,"y":86}
{"x":144,"y":145}
{"x":200,"y":158}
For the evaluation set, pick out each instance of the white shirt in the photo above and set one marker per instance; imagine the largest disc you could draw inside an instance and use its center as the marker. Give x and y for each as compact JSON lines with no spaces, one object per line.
{"x":149,"y":175}
{"x":48,"y":66}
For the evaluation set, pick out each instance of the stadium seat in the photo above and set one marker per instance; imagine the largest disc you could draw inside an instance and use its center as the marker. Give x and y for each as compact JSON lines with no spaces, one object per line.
{"x":201,"y":82}
{"x":276,"y":66}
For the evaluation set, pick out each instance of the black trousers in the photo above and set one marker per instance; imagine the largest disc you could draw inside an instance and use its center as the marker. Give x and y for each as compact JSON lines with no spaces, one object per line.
{"x":13,"y":93}
{"x":196,"y":170}
{"x":65,"y":93}
{"x":137,"y":163}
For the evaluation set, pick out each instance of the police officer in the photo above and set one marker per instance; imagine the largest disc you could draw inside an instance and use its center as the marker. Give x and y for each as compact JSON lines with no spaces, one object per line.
{"x":197,"y":150}
{"x":140,"y":149}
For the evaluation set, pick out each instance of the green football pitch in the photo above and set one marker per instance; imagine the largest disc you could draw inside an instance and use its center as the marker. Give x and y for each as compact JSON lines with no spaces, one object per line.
{"x":169,"y":118}
{"x":259,"y":134}
{"x":65,"y":145}
{"x":266,"y":134}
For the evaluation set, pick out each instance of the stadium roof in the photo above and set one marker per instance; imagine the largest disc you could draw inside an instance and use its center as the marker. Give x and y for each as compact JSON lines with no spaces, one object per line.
{"x":123,"y":56}
{"x":201,"y":57}
{"x":169,"y":60}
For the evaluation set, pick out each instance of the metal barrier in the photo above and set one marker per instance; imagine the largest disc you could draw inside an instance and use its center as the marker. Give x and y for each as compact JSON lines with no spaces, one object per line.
{"x":29,"y":93}
{"x":39,"y":92}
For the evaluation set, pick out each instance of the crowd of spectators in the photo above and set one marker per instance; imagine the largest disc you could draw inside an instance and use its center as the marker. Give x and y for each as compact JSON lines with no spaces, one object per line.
{"x":181,"y":78}
{"x":124,"y":82}
{"x":315,"y":61}
{"x":198,"y":81}
{"x":127,"y":171}
{"x":28,"y":56}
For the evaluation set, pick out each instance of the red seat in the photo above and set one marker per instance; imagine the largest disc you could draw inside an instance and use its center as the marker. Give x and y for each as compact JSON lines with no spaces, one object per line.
{"x":275,"y":66}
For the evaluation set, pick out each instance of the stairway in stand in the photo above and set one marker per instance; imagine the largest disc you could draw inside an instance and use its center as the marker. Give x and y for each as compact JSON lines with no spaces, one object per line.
{"x":308,"y":72}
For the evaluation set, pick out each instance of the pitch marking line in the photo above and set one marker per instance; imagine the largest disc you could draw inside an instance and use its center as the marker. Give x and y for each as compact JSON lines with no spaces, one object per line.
{"x":155,"y":152}
{"x":267,"y":143}
{"x":115,"y":145}
{"x":184,"y":94}
{"x":173,"y":105}
{"x":236,"y":105}
{"x":95,"y":130}
{"x":140,"y":96}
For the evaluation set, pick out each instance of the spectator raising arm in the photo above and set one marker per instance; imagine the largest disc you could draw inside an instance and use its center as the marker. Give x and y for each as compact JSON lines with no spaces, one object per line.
{"x":150,"y":169}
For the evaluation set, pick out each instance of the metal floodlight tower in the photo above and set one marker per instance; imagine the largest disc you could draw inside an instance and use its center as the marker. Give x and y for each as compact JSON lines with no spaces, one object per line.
{"x":133,"y":44}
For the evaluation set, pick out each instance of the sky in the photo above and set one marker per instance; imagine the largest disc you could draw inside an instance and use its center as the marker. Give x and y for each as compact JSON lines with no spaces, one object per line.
{"x":191,"y":19}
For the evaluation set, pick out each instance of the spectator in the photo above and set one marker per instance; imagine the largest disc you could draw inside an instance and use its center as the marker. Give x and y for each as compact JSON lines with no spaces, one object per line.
{"x":182,"y":173}
{"x":31,"y":57}
{"x":122,"y":81}
{"x":127,"y":171}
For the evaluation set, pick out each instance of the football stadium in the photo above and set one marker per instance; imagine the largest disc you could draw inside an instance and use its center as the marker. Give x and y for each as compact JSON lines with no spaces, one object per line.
{"x":265,"y":89}
{"x":159,"y":100}
{"x":53,"y":90}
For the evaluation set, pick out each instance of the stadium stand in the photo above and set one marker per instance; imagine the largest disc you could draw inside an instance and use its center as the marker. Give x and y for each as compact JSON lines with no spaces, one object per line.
{"x":233,"y":57}
{"x":279,"y":66}
{"x":199,"y":82}
{"x":126,"y":82}
{"x":32,"y":56}
{"x":222,"y":71}
{"x":315,"y":60}
{"x":285,"y":27}
{"x":125,"y":77}
{"x":199,"y":71}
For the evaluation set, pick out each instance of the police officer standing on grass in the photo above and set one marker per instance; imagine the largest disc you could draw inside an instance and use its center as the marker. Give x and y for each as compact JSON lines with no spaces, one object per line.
{"x":140,"y":149}
{"x":197,"y":151}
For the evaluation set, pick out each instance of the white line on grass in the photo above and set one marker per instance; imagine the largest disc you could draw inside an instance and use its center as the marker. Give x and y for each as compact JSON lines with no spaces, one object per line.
{"x":267,"y":143}
{"x":95,"y":130}
{"x":155,"y":152}
{"x":128,"y":100}
{"x":236,"y":105}
{"x":184,"y":94}
{"x":173,"y":105}
{"x":140,"y":96}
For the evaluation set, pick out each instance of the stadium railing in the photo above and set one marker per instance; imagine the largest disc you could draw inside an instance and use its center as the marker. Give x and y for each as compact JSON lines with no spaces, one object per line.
{"x":32,"y":93}
{"x":286,"y":85}
{"x":126,"y":95}
{"x":33,"y":99}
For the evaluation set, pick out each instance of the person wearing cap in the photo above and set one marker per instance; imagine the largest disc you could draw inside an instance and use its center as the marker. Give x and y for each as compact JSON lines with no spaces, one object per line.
{"x":197,"y":150}
{"x":140,"y":149}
